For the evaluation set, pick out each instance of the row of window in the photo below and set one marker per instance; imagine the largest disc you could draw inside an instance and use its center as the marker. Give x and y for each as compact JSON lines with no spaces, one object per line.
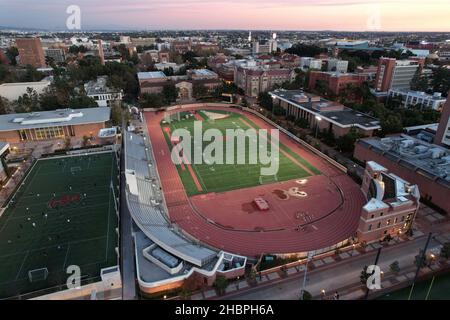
{"x":389,"y":221}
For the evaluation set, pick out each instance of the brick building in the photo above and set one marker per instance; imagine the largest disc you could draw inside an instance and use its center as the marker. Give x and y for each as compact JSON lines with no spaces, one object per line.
{"x":392,"y":204}
{"x":324,"y":114}
{"x":335,"y":81}
{"x":31,"y":52}
{"x":57,"y":124}
{"x":254,"y":80}
{"x":418,"y":162}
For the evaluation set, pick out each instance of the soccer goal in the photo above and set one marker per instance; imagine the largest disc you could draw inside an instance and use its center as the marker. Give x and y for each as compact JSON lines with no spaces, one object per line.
{"x":38,"y":274}
{"x":268,"y":179}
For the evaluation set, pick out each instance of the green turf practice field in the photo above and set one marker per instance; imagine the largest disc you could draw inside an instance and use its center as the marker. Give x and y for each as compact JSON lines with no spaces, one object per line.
{"x":224,"y":177}
{"x":63,"y":214}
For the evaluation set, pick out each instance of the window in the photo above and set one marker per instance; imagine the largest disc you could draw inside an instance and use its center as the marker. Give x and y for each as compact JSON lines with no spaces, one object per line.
{"x":395,"y":220}
{"x":370,"y":227}
{"x":388,"y":222}
{"x":49,"y":133}
{"x":373,"y":216}
{"x":381,"y":214}
{"x":403,"y":218}
{"x":379,"y":225}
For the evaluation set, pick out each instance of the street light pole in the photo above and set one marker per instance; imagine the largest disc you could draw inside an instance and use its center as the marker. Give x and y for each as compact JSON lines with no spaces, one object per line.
{"x":419,"y":264}
{"x":308,"y":259}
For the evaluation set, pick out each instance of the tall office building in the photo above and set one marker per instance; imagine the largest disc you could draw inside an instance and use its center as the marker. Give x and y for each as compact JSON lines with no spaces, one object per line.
{"x":395,"y":74}
{"x":443,"y":132}
{"x":31,"y":52}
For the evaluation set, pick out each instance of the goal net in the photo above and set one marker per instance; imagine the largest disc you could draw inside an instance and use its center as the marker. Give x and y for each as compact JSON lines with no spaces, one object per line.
{"x":268,"y":179}
{"x":38,"y":274}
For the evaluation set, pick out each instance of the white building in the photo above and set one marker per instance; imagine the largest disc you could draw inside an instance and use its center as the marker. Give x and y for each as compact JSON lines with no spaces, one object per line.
{"x":337,"y":65}
{"x":101,"y":93}
{"x":12,"y":91}
{"x":412,"y":98}
{"x":310,"y":63}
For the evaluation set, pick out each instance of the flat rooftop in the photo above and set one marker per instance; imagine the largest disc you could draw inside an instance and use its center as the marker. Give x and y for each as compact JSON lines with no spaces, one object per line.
{"x":98,"y":86}
{"x":344,"y":118}
{"x":59,"y":117}
{"x":151,"y":75}
{"x":428,"y":159}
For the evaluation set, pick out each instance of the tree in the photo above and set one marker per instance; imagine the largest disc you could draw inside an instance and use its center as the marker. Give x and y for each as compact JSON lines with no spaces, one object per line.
{"x":152,"y":100}
{"x":394,"y":267}
{"x":265,"y":100}
{"x":419,"y":82}
{"x":346,"y":143}
{"x":306,"y":295}
{"x":221,"y":284}
{"x":305,"y":50}
{"x":445,"y":250}
{"x":199,"y":91}
{"x":82,"y":101}
{"x":170,"y":93}
{"x":441,"y":80}
{"x":391,"y":124}
{"x":364,"y":276}
{"x":4,"y":105}
{"x":12,"y":53}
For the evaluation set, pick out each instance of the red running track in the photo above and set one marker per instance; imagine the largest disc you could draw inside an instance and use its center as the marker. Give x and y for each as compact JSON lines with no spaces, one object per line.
{"x":335,"y":214}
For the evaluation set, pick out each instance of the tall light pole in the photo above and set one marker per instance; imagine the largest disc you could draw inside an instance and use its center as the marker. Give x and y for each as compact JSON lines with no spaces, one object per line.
{"x":318,"y":119}
{"x":308,"y":259}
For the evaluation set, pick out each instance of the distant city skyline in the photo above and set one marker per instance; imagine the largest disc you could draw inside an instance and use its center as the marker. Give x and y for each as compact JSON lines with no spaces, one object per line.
{"x":338,"y":15}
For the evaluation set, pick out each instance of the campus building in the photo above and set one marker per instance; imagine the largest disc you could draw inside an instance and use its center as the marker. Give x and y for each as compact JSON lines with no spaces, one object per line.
{"x":154,"y":82}
{"x":335,"y":81}
{"x":254,"y":80}
{"x":324,"y":114}
{"x":443,"y":130}
{"x":395,"y":74}
{"x":412,"y":98}
{"x":31,"y":52}
{"x":392,"y":204}
{"x":4,"y":150}
{"x":337,"y":65}
{"x":13,"y":90}
{"x":57,"y":124}
{"x":101,"y":93}
{"x":308,"y":63}
{"x":416,"y":161}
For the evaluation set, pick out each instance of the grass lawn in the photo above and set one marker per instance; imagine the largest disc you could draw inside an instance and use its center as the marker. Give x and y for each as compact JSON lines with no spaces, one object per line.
{"x":224,"y":177}
{"x":63,"y":214}
{"x":439,"y":291}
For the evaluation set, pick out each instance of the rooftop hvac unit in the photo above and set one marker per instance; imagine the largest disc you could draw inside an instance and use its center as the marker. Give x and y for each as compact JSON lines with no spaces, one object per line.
{"x":420,"y":149}
{"x":407,"y":143}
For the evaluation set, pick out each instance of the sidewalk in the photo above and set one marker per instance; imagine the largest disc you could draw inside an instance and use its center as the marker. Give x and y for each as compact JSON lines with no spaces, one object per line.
{"x":348,"y":259}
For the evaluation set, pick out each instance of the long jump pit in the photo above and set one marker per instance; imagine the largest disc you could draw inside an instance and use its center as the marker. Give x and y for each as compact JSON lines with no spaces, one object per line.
{"x":304,"y":214}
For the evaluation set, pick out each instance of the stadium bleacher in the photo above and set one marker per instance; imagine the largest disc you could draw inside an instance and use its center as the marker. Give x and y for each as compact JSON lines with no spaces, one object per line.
{"x":147,"y":210}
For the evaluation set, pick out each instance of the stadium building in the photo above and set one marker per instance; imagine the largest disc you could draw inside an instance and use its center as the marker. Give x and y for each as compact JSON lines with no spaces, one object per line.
{"x":57,"y":124}
{"x":183,"y":238}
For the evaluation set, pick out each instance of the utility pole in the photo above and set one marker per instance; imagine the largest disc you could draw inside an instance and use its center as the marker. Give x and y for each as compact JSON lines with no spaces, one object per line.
{"x":419,"y":265}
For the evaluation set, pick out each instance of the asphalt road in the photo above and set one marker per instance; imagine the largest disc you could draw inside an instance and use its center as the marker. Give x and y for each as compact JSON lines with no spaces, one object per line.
{"x":338,"y":276}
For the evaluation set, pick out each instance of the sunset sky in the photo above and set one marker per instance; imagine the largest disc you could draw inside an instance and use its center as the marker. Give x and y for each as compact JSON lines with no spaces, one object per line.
{"x":352,"y":15}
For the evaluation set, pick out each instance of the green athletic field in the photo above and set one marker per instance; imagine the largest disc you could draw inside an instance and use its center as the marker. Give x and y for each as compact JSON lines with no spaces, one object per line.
{"x":224,"y":177}
{"x":78,"y":230}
